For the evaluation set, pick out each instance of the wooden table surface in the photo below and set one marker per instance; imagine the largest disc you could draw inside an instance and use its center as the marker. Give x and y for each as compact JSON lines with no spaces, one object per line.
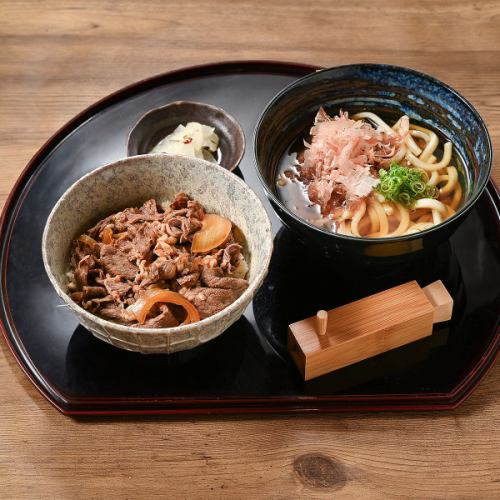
{"x":56,"y":58}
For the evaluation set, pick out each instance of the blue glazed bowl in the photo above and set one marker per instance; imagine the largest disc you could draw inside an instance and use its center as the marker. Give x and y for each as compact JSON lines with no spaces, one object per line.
{"x":384,"y":90}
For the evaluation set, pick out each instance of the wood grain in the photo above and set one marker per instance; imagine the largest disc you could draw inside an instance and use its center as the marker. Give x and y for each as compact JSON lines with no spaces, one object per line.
{"x":361,"y":329}
{"x":441,"y":300}
{"x":56,"y":58}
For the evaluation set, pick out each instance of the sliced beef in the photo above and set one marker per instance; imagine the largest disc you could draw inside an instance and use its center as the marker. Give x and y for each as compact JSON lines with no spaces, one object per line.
{"x":91,"y":292}
{"x":82,"y":270}
{"x":125,"y":246}
{"x":140,"y":217}
{"x":180,"y":201}
{"x":166,"y":269}
{"x":230,"y":256}
{"x":195,"y":210}
{"x":189,"y":280}
{"x":189,"y":226}
{"x":95,"y":231}
{"x":95,"y":276}
{"x":211,"y":260}
{"x":116,"y":313}
{"x":160,"y":269}
{"x":147,"y":213}
{"x":216,"y":294}
{"x":117,"y":288}
{"x":77,"y":296}
{"x":173,"y":227}
{"x":165,"y":319}
{"x":149,"y":209}
{"x":182,"y":212}
{"x":151,"y":248}
{"x":142,"y":242}
{"x":183,"y":263}
{"x":88,"y":293}
{"x":164,"y":246}
{"x":183,"y":218}
{"x":210,"y":301}
{"x":80,"y":251}
{"x":214,"y":278}
{"x":82,"y":248}
{"x":123,"y":219}
{"x":116,"y":262}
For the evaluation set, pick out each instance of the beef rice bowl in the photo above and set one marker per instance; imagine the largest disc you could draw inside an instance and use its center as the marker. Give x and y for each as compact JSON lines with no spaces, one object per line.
{"x":158,"y":267}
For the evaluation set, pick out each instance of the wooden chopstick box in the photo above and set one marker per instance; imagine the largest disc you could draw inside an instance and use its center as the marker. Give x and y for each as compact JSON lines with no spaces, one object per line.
{"x":368,"y":327}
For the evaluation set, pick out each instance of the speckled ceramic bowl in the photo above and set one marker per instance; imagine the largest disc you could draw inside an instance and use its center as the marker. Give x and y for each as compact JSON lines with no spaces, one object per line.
{"x":157,"y":123}
{"x":389,"y":91}
{"x":130,"y":182}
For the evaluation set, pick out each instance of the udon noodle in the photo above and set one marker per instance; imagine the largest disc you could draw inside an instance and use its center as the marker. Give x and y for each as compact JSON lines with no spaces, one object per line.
{"x":413,"y":149}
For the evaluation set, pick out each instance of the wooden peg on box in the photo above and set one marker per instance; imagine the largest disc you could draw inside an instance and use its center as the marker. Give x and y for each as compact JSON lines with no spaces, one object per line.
{"x":367,"y":327}
{"x":321,"y":322}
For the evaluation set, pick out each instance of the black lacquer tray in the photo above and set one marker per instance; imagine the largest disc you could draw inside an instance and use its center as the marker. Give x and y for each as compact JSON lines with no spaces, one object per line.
{"x":247,"y":368}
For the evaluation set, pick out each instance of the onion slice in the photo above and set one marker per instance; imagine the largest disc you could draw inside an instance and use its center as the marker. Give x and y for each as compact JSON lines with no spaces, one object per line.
{"x":120,"y":236}
{"x":169,"y":297}
{"x":107,"y":236}
{"x":214,"y":232}
{"x":87,"y":240}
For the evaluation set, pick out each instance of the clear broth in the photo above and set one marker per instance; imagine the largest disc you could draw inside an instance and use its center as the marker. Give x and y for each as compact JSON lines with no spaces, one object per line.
{"x":294,"y":195}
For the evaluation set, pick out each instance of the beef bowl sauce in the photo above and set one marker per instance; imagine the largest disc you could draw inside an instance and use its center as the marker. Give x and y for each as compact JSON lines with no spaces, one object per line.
{"x":293,"y":182}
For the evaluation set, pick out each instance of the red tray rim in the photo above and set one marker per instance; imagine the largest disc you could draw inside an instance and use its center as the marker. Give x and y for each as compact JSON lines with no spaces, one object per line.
{"x":69,"y":405}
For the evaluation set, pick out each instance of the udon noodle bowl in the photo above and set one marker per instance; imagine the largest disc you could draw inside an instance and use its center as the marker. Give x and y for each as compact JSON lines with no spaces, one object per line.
{"x":366,"y":177}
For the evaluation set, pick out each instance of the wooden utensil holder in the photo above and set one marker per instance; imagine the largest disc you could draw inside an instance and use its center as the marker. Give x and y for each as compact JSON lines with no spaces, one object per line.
{"x":367,"y":327}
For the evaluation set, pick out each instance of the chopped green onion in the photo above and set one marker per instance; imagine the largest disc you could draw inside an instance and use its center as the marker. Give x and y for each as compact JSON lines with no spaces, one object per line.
{"x":405,"y":185}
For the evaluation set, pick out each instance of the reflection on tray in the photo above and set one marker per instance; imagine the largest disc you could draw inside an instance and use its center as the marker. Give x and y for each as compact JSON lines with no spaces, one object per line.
{"x":300,"y":282}
{"x":406,"y":358}
{"x":233,"y":364}
{"x":101,"y":367}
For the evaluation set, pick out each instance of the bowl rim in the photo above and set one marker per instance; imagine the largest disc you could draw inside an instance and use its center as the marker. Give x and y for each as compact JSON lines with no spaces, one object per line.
{"x":462,"y":211}
{"x":231,"y":118}
{"x":246,"y":296}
